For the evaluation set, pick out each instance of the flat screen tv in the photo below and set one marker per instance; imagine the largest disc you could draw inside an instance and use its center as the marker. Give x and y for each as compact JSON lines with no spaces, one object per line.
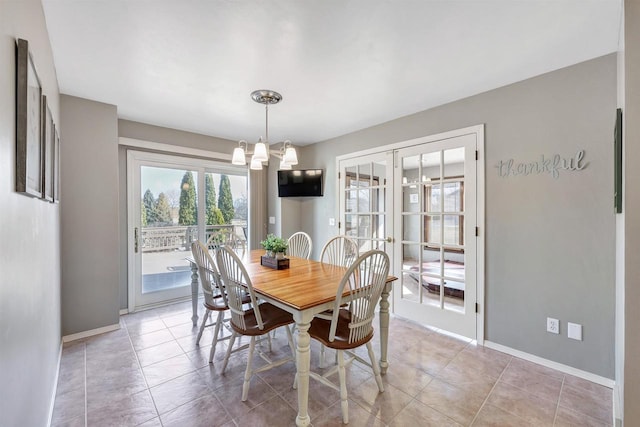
{"x":300,"y":183}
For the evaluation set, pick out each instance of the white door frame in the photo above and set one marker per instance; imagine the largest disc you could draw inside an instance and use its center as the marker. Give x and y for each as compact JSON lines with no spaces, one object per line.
{"x":478,"y":131}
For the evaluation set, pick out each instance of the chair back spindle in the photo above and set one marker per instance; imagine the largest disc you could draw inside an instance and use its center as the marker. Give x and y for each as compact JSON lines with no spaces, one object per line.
{"x":300,"y":245}
{"x":340,"y":250}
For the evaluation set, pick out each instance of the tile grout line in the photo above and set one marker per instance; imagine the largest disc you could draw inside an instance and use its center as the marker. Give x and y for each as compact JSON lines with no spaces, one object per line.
{"x":555,"y":416}
{"x":491,"y":391}
{"x":142,"y":372}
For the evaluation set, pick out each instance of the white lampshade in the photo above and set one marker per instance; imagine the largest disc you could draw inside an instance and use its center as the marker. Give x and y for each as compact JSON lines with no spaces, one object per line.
{"x":256,"y":164}
{"x":260,"y":152}
{"x":290,"y":156}
{"x":238,"y":157}
{"x":284,"y":165}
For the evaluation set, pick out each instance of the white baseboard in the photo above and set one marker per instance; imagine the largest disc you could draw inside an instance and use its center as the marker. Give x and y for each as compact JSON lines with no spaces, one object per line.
{"x":92,"y":332}
{"x":55,"y":387}
{"x":607,"y":382}
{"x":124,"y":311}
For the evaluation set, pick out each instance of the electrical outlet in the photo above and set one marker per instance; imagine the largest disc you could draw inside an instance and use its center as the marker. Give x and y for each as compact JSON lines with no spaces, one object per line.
{"x":553,"y":325}
{"x":272,"y":220}
{"x":574,"y":331}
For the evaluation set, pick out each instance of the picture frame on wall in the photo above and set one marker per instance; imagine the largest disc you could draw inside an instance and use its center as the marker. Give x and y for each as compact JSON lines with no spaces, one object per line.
{"x":56,"y":164}
{"x":48,"y":178}
{"x":617,"y":167}
{"x":29,"y":149}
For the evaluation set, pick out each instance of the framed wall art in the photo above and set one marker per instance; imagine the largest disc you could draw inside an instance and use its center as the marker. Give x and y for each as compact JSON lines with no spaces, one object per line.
{"x":617,"y":166}
{"x":47,"y":126}
{"x":56,"y":164}
{"x":29,"y":144}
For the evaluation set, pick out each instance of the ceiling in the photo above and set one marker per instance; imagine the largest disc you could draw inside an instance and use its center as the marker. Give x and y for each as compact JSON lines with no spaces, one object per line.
{"x":339,"y":65}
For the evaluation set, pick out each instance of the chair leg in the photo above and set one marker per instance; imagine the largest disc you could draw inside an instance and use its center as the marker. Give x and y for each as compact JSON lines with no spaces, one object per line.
{"x":215,"y":336}
{"x":374,"y":365}
{"x":247,"y":372}
{"x":230,"y":346}
{"x":343,"y":387}
{"x":206,"y":316}
{"x":321,"y":361}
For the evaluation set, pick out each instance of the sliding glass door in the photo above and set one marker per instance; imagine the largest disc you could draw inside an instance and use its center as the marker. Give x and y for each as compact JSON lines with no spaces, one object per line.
{"x":172,"y":202}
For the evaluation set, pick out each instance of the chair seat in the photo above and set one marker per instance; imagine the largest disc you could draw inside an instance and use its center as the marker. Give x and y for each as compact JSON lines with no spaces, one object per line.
{"x":320,"y":329}
{"x":272,"y":318}
{"x":218,"y":303}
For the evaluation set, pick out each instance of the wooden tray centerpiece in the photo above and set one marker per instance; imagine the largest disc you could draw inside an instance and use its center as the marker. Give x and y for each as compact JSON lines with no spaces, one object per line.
{"x":275,"y":246}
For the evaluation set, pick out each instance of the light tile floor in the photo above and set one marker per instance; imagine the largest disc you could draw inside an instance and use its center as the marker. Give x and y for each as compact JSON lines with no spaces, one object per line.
{"x":151,"y":373}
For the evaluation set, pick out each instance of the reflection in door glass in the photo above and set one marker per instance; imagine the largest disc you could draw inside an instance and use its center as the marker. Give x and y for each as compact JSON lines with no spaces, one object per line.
{"x":410,"y":272}
{"x":454,"y":163}
{"x":454,"y":281}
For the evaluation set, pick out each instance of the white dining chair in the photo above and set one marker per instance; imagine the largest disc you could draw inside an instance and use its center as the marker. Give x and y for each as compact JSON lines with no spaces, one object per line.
{"x":299,"y":245}
{"x":215,"y":299}
{"x":256,"y":320}
{"x":350,"y":325}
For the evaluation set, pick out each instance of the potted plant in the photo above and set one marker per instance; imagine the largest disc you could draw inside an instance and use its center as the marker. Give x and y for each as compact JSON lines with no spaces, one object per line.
{"x":275,"y":246}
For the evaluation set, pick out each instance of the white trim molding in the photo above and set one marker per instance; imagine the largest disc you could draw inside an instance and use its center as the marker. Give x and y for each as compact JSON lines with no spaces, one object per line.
{"x":607,"y":382}
{"x":90,"y":333}
{"x":173,"y":149}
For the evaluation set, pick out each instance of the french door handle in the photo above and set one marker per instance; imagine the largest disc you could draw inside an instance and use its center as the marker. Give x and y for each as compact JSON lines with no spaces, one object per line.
{"x":135,"y":239}
{"x":389,"y":239}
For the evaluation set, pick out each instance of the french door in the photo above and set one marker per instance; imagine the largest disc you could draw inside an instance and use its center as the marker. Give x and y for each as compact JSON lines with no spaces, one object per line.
{"x":365,"y":198}
{"x":435,"y":248}
{"x":419,"y":201}
{"x":173,"y":201}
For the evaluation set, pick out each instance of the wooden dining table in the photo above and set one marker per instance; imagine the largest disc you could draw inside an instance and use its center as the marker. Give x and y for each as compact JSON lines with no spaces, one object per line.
{"x":305,"y":289}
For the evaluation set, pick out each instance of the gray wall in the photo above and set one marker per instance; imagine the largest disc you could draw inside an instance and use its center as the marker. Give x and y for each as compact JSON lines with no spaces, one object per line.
{"x":632,"y":216}
{"x":549,"y":243}
{"x":29,"y":241}
{"x":89,"y":215}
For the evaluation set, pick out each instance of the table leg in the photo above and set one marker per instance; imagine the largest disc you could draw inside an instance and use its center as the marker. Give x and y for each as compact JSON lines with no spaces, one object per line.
{"x":194,"y":293}
{"x":384,"y":328}
{"x":303,"y":362}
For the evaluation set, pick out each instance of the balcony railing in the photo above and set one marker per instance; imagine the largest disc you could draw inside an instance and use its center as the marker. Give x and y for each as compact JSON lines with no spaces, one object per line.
{"x":160,"y":239}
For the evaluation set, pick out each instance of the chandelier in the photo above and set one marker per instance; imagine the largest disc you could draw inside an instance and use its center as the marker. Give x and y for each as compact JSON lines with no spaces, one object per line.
{"x":286,"y":153}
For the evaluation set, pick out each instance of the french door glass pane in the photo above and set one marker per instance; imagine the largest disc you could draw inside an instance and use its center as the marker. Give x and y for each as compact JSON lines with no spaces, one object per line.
{"x":411,"y":227}
{"x":452,"y":229}
{"x":433,"y":198}
{"x":454,"y":163}
{"x":410,"y":171}
{"x":430,"y":166}
{"x":454,"y":280}
{"x":410,"y":272}
{"x":432,"y":229}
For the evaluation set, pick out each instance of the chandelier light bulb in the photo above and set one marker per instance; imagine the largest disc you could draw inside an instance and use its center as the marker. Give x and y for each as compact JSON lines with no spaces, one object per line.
{"x":260,"y":151}
{"x":290,"y":156}
{"x":256,"y":164}
{"x":238,"y":157}
{"x":284,"y":165}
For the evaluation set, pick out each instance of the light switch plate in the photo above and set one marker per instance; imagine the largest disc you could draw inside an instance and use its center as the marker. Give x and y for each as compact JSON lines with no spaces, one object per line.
{"x":574,"y":331}
{"x":332,"y":222}
{"x":272,"y":220}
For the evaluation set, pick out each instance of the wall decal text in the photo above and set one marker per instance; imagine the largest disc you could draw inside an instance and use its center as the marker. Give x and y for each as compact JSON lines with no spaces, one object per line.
{"x":551,"y":165}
